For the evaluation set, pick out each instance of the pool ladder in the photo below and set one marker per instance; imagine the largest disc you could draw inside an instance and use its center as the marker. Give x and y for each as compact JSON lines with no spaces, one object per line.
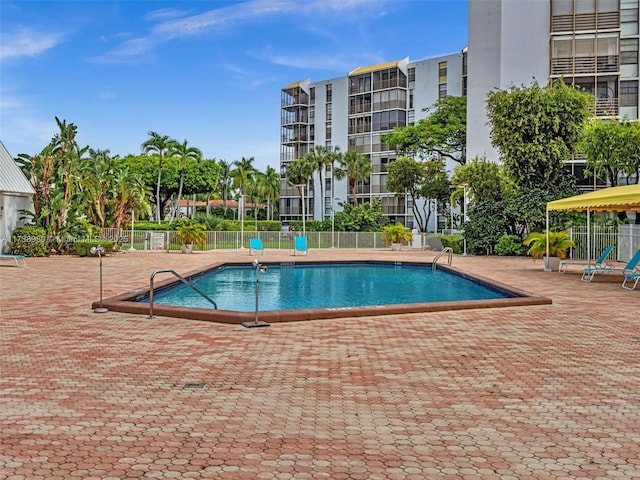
{"x":183,"y":280}
{"x":445,"y":250}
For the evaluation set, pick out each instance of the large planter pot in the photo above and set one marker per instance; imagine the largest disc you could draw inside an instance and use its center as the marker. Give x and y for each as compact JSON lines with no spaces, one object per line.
{"x":395,"y":247}
{"x":187,"y":248}
{"x":551,"y":264}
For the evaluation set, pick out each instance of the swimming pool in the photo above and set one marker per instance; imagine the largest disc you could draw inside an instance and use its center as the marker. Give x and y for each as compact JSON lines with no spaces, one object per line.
{"x":313,"y":290}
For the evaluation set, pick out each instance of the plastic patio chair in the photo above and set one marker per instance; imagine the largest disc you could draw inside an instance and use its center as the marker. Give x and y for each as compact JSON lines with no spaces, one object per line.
{"x":602,"y":262}
{"x":589,"y":273}
{"x":255,"y":245}
{"x":18,"y":259}
{"x":300,"y":245}
{"x":634,"y":277}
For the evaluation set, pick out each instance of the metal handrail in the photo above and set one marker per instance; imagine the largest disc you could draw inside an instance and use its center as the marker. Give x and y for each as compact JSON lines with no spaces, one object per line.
{"x":183,"y":280}
{"x":448,"y":250}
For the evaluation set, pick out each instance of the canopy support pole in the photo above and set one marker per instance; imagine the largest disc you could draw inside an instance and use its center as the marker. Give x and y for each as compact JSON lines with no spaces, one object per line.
{"x":547,"y":239}
{"x":589,"y":238}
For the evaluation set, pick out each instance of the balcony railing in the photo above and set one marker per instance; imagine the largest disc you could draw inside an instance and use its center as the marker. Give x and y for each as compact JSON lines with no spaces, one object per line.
{"x":607,"y":107}
{"x":585,"y":21}
{"x":582,"y":65}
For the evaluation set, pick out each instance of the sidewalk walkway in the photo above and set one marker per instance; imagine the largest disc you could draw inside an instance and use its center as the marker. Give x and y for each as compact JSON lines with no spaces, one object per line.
{"x":541,"y":392}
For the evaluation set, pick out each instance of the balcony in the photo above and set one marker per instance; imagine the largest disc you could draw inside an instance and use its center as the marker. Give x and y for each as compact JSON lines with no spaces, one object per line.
{"x":607,"y":107}
{"x":585,"y":65}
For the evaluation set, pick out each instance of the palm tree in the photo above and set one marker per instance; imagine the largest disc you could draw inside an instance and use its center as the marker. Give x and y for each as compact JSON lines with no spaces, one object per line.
{"x":182,"y":152}
{"x":224,"y":182}
{"x":129,"y":193}
{"x":241,"y":174}
{"x":97,"y":176}
{"x":357,"y":167}
{"x":321,"y":157}
{"x":298,"y":173}
{"x":157,"y":144}
{"x":69,"y":156}
{"x":335,"y":155}
{"x":270,"y":180}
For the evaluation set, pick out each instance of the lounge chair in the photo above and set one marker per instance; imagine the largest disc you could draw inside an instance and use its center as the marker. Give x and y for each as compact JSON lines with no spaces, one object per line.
{"x":300,"y":245}
{"x":589,"y":273}
{"x":602,"y":262}
{"x":633,"y":277}
{"x":18,"y":259}
{"x":255,"y":245}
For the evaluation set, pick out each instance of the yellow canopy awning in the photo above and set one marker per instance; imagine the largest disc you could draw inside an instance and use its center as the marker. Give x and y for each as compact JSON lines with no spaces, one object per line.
{"x":621,"y":199}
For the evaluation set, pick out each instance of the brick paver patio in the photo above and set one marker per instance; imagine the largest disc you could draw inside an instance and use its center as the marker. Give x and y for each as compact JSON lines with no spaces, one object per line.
{"x":534,"y":392}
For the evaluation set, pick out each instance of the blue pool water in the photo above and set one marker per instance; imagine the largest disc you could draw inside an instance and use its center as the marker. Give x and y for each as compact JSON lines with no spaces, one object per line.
{"x":325,"y":286}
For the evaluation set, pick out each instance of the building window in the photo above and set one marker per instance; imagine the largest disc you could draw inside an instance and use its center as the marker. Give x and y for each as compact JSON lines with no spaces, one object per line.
{"x":412,"y":74}
{"x":329,"y":112}
{"x":442,"y":79}
{"x":329,"y":92}
{"x":629,"y":93}
{"x":312,"y":94}
{"x":442,"y":72}
{"x":629,"y":51}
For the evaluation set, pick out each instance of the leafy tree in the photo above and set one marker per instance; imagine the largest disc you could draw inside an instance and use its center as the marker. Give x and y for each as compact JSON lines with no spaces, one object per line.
{"x":404,"y":177}
{"x":418,"y":180}
{"x":612,"y":149}
{"x":159,"y":145}
{"x":201,"y":176}
{"x":366,"y":217}
{"x":442,"y":134}
{"x":357,"y":167}
{"x":487,"y":192}
{"x":147,"y":168}
{"x":486,"y":225}
{"x":536,"y":129}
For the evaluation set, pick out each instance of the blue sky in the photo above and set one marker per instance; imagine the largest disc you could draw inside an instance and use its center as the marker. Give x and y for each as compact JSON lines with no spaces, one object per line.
{"x":209,"y":72}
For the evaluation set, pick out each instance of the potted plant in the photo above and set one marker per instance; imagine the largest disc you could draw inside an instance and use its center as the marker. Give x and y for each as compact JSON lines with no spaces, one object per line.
{"x":191,"y":233}
{"x":396,"y":234}
{"x":559,"y":245}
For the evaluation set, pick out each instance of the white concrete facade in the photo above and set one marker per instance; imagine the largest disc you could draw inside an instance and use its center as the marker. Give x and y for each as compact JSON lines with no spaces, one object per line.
{"x":424,"y":86}
{"x":508,"y":45}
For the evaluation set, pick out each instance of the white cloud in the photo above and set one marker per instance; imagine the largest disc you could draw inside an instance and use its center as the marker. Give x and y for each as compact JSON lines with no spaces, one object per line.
{"x":164,"y":14}
{"x":129,"y":51}
{"x":319,"y":61}
{"x":26,"y":43}
{"x":229,"y":16}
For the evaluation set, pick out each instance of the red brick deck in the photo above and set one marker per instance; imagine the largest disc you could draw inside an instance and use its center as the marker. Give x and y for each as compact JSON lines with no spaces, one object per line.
{"x":550,"y":391}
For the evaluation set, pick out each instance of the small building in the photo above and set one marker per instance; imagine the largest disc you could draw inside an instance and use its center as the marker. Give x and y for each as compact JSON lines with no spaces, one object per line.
{"x":15,"y":195}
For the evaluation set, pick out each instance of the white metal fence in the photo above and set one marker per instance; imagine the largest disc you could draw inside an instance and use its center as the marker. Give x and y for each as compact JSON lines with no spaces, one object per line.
{"x":216,"y":240}
{"x":625,"y":238}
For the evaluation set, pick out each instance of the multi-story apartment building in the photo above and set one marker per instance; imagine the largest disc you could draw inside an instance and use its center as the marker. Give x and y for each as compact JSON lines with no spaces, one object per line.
{"x":352,"y":113}
{"x":589,"y":43}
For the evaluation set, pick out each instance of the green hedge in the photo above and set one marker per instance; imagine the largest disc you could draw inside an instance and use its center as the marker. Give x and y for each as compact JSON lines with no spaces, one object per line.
{"x":456,"y":242}
{"x":82,"y":248}
{"x":30,"y":241}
